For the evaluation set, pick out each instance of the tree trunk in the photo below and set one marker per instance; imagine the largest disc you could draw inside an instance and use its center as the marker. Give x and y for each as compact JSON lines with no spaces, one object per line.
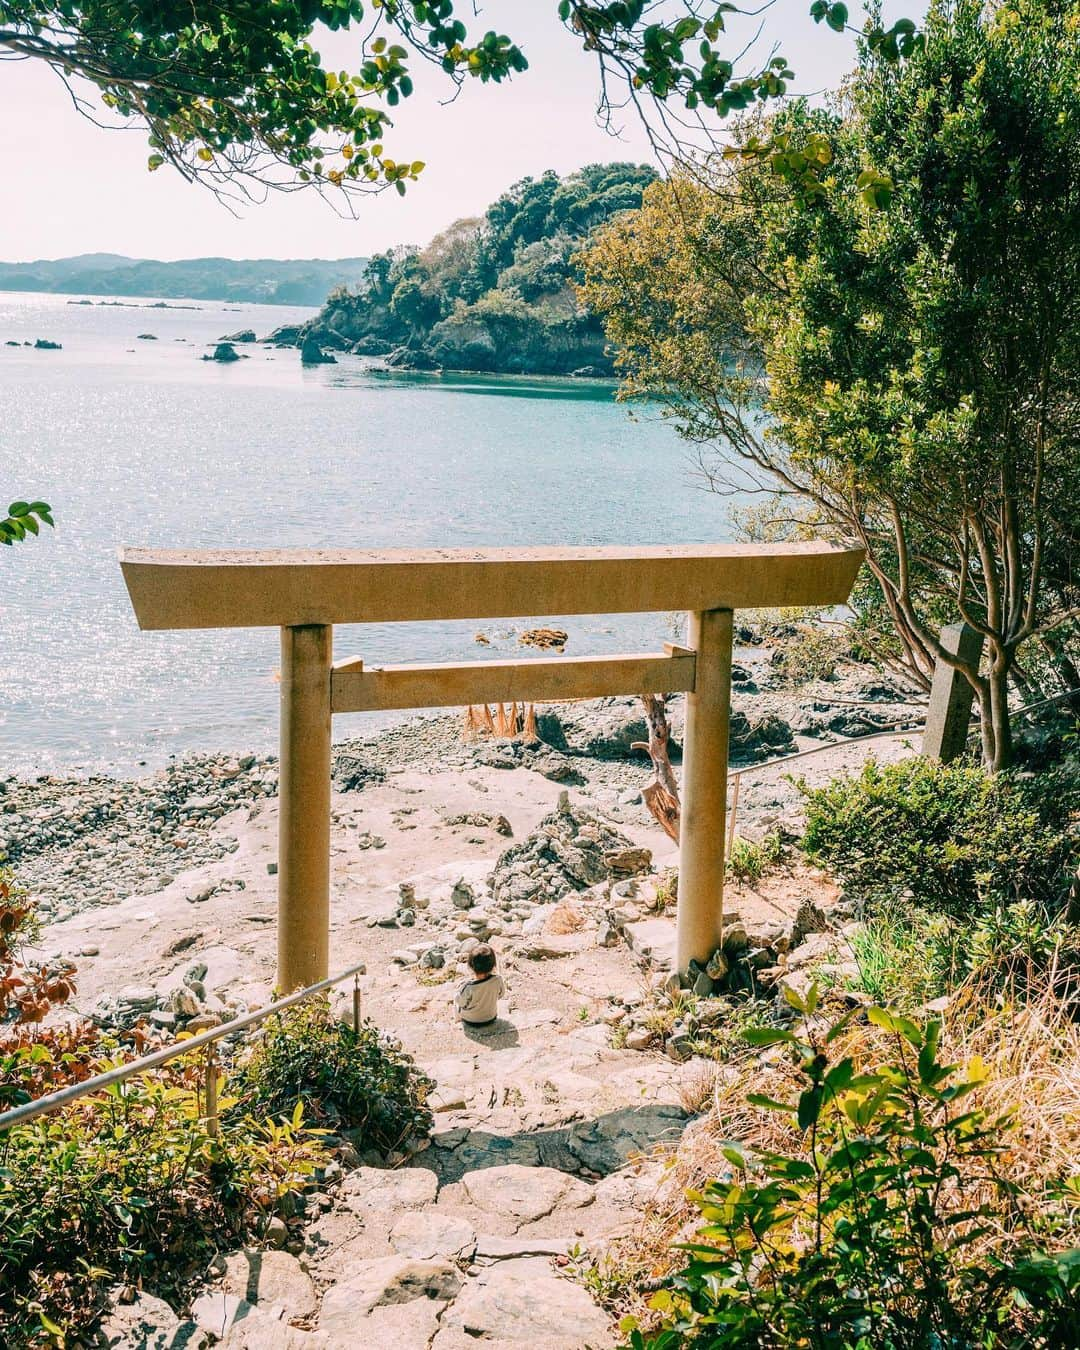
{"x":986,"y":724}
{"x":998,"y":680}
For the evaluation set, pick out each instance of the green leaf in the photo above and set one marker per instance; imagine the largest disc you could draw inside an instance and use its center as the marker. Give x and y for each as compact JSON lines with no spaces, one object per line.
{"x":769,"y":1103}
{"x":767,"y":1036}
{"x":809,"y":1107}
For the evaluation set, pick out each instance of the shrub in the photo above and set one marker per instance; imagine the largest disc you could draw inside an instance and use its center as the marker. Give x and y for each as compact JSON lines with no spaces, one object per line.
{"x":27,"y":992}
{"x":907,"y":956}
{"x":749,"y":861}
{"x":948,"y":837}
{"x":129,"y":1187}
{"x":892,"y":1227}
{"x":35,"y":1059}
{"x":347,"y":1080}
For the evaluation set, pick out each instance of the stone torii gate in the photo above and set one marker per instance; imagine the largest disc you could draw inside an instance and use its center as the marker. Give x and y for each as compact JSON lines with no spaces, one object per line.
{"x":305,"y":592}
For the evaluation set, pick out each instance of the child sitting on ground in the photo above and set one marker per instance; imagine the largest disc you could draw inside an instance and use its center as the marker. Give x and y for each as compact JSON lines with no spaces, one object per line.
{"x":477,"y":1000}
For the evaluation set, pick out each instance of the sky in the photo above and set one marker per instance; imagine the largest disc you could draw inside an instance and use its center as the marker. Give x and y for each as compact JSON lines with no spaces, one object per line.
{"x":70,"y":187}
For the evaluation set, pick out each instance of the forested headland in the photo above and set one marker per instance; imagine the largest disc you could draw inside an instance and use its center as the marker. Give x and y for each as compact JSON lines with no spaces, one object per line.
{"x":493,"y":292}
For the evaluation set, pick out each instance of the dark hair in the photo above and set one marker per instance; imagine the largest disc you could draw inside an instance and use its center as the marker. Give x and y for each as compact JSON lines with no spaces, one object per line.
{"x":482,"y":959}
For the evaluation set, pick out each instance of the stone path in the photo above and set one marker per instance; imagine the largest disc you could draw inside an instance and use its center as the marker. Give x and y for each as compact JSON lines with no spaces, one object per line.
{"x":541,"y":1145}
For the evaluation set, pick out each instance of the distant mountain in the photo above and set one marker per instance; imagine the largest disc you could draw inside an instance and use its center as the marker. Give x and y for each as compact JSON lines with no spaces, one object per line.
{"x":266,"y":281}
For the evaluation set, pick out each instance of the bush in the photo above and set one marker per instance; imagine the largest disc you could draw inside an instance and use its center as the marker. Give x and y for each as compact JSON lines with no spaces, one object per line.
{"x":346,"y":1080}
{"x":749,"y":860}
{"x":129,"y":1187}
{"x":947,"y":837}
{"x":907,"y":956}
{"x":892,"y":1227}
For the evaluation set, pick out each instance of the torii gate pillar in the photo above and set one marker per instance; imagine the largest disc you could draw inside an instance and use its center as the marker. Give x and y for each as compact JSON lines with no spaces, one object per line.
{"x":704,"y":790}
{"x":304,"y":803}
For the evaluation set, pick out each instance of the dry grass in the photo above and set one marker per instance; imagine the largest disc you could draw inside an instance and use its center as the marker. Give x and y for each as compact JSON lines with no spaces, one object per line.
{"x":697,"y":1086}
{"x":1031,"y":1048}
{"x":1032,"y":1051}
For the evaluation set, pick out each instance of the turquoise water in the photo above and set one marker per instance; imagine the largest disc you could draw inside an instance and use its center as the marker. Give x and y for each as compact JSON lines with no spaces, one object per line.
{"x":142,"y":443}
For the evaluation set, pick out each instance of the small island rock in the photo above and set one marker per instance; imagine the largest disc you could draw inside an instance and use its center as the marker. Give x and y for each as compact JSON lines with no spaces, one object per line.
{"x":242,"y":335}
{"x":288,"y":335}
{"x":223,"y":352}
{"x":311,"y":354}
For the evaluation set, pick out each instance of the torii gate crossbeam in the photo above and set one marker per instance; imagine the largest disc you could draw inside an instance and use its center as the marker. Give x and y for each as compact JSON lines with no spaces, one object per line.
{"x":304,"y":592}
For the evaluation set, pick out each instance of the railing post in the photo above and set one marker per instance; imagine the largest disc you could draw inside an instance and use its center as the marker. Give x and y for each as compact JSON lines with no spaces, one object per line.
{"x":356,"y":1010}
{"x":704,"y":790}
{"x":304,"y":803}
{"x":736,"y":781}
{"x":213,"y":1125}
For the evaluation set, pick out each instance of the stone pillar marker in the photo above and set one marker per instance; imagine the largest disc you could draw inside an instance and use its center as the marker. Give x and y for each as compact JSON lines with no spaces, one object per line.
{"x":949,"y":710}
{"x":304,"y":805}
{"x":700,"y":913}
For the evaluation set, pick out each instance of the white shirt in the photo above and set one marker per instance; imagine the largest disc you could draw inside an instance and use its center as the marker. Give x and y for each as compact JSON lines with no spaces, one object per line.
{"x":478,"y":1000}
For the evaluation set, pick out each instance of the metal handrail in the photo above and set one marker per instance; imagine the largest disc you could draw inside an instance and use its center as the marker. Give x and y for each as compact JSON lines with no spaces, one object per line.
{"x":53,"y":1101}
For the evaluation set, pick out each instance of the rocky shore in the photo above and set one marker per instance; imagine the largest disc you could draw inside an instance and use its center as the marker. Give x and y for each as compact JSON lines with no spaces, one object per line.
{"x":82,"y":842}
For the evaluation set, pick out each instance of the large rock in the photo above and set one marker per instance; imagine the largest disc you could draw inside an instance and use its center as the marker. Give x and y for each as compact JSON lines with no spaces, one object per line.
{"x":224,"y":353}
{"x":244,"y":335}
{"x":287,"y":335}
{"x":411,"y":358}
{"x":311,"y":354}
{"x":524,"y":1194}
{"x":372,"y":1188}
{"x":391,"y":1301}
{"x":260,"y":1334}
{"x":270,"y":1277}
{"x":763,"y":738}
{"x":608,"y":1142}
{"x":370,"y":345}
{"x":570,"y":850}
{"x":523,"y":1302}
{"x":146,"y":1323}
{"x":426,"y":1235}
{"x":604,"y":729}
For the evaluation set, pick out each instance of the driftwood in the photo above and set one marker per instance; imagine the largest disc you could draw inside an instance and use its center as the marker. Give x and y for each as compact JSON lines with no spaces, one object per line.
{"x":661,"y":796}
{"x":518,"y":721}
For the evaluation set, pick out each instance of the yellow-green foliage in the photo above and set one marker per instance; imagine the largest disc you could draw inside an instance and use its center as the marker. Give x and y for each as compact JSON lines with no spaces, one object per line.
{"x":355,"y":1080}
{"x":130,"y":1187}
{"x":889,"y":1225}
{"x":750,"y":860}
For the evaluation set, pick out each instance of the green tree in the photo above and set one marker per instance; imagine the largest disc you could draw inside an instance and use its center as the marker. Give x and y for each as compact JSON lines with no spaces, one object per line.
{"x":898,"y":347}
{"x":233,"y":93}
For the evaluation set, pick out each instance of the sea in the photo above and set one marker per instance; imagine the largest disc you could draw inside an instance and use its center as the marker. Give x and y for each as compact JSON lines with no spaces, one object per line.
{"x":134,"y":439}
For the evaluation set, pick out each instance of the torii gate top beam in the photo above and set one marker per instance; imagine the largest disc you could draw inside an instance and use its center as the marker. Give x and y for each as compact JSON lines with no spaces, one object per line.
{"x":283,"y":588}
